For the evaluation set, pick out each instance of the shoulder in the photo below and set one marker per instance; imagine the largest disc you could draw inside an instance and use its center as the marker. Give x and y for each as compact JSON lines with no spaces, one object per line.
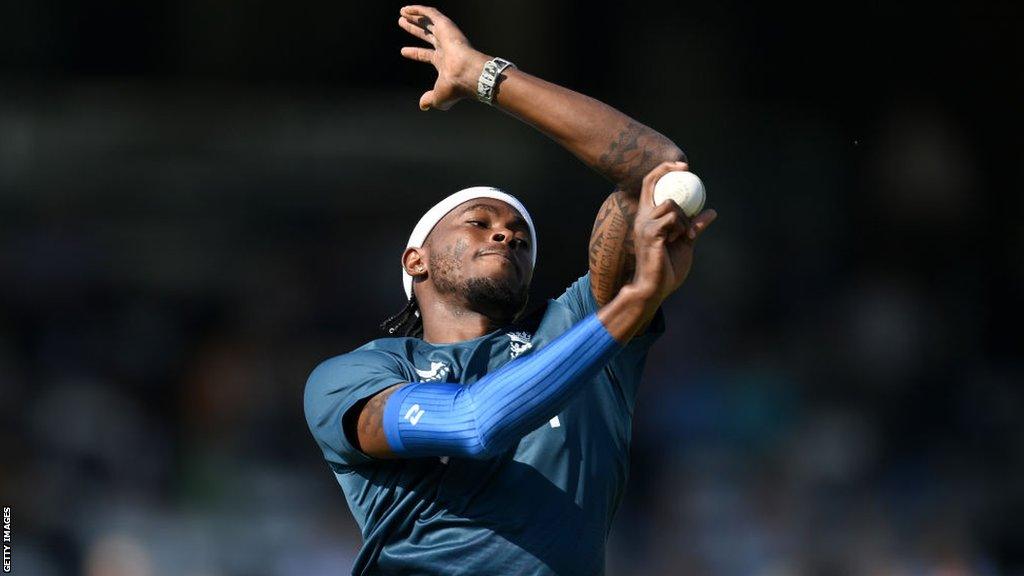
{"x":379,"y":352}
{"x":371,"y":361}
{"x":578,"y":298}
{"x":358,"y":357}
{"x":337,"y":385}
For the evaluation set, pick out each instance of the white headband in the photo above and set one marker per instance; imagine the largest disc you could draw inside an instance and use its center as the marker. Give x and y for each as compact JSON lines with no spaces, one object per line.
{"x":442,"y":208}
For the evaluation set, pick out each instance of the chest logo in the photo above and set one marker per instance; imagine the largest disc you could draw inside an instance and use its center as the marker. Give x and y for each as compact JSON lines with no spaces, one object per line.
{"x":519,"y":342}
{"x":438,"y":371}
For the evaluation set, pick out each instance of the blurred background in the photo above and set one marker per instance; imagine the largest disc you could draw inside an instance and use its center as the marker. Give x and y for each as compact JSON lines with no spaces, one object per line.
{"x":199,"y":201}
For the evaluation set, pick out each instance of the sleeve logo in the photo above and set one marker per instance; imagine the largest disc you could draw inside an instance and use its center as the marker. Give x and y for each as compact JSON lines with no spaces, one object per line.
{"x":414,"y":413}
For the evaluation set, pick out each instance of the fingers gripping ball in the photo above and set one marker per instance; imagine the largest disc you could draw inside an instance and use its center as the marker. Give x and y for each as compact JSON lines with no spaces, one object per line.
{"x":685,"y":188}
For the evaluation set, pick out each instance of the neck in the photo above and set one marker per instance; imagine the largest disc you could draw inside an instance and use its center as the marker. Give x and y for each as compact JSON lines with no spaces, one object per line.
{"x":447,"y":322}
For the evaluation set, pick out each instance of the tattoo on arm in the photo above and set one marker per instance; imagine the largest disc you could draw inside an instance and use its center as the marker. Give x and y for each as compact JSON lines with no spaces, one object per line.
{"x":369,"y":437}
{"x":612,"y":251}
{"x":634,"y":152}
{"x":372,"y":417}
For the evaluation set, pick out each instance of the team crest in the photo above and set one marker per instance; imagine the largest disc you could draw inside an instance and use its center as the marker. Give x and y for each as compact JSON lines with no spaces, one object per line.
{"x":519,"y":342}
{"x":438,"y":372}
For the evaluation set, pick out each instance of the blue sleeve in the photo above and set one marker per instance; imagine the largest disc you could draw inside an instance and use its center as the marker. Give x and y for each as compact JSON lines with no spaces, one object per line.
{"x":338,"y":384}
{"x":482,"y":419}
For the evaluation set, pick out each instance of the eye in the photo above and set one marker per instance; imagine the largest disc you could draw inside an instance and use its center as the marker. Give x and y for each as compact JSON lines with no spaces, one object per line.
{"x":521,"y":242}
{"x":477,"y":223}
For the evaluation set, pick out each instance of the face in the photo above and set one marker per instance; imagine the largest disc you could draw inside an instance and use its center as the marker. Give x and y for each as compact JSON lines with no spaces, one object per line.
{"x":479,"y":253}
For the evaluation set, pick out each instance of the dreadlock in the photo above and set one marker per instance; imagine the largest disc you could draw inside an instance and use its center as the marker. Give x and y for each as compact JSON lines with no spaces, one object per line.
{"x":405,"y":323}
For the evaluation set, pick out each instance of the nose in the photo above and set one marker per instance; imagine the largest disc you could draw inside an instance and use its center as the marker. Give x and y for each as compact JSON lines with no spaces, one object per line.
{"x":500,"y":236}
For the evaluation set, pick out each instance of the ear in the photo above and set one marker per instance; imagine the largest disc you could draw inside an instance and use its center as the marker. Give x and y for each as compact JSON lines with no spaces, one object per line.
{"x":414,"y":261}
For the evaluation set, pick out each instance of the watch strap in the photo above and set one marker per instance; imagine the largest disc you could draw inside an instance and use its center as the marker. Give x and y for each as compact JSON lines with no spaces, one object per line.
{"x":488,"y":77}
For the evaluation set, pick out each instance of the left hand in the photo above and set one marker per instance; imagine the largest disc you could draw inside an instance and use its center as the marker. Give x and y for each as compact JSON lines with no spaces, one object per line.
{"x":458,"y":64}
{"x":664,"y":238}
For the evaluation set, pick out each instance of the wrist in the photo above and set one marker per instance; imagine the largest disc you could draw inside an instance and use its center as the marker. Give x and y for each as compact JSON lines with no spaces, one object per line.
{"x":642,"y":293}
{"x":471,"y":73}
{"x":630,"y":310}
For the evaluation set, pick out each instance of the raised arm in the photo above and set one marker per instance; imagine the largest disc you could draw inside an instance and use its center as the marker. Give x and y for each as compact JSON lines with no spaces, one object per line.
{"x":613,"y":144}
{"x":616,"y":146}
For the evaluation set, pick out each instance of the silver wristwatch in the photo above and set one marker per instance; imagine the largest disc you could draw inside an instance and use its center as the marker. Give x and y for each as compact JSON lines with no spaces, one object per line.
{"x":485,"y":85}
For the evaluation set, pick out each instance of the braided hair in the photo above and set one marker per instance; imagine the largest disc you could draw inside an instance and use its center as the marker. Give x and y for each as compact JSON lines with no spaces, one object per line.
{"x":406,"y":323}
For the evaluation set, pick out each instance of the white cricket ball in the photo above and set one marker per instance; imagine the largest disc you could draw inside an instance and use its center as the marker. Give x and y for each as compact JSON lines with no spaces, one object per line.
{"x":684,"y":187}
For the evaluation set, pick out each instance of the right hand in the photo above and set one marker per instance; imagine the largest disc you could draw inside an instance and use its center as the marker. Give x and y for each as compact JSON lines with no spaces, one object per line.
{"x":664,"y":238}
{"x":458,"y":65}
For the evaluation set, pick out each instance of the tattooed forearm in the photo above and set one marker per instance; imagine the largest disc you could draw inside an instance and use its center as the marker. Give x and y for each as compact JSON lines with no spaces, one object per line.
{"x":612,"y":253}
{"x":634,"y":152}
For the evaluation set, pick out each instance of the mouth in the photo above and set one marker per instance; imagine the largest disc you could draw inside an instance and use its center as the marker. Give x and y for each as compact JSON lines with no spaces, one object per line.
{"x":503,"y":255}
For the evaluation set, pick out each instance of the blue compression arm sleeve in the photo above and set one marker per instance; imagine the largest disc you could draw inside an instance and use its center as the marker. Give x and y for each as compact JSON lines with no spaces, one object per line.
{"x":484,"y":418}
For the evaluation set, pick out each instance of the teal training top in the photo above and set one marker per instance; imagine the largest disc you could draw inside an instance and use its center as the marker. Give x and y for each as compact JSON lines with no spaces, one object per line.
{"x":544,"y":506}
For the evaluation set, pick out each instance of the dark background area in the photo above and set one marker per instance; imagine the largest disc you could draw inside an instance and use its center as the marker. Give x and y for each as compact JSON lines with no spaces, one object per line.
{"x":199,"y":201}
